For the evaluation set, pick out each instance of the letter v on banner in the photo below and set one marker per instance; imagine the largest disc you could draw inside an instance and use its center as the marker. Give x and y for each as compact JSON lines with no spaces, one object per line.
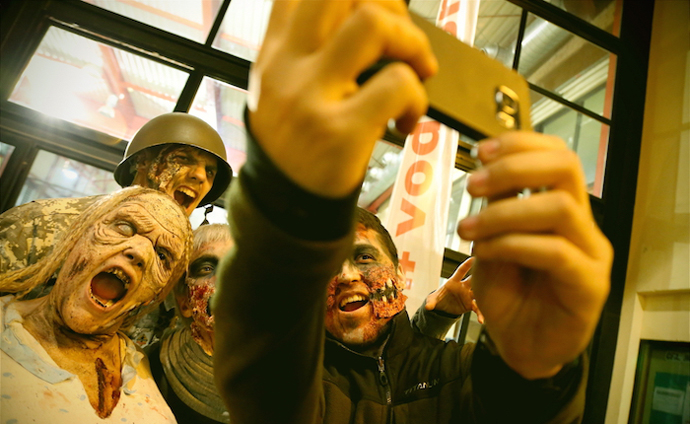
{"x":420,"y":198}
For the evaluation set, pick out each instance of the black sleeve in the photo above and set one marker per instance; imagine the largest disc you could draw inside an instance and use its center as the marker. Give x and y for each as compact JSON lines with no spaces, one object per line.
{"x":502,"y":394}
{"x":291,"y":208}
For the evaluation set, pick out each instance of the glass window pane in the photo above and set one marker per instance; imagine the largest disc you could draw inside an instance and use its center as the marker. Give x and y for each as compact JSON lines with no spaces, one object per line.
{"x":53,"y":176}
{"x":557,"y":60}
{"x":586,"y":136}
{"x":96,"y":86}
{"x":217,"y":215}
{"x":603,"y":14}
{"x":498,"y":23}
{"x":497,"y":29}
{"x":461,"y":205}
{"x":380,"y":178}
{"x":222,"y":106}
{"x":191,"y":19}
{"x":5,"y":153}
{"x":243,"y":28}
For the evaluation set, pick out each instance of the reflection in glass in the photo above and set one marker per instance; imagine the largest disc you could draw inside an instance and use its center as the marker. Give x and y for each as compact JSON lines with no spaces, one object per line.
{"x":5,"y":153}
{"x":461,"y":206}
{"x":380,"y":178}
{"x":662,"y":384}
{"x":53,"y":176}
{"x":222,"y":106}
{"x":560,"y":62}
{"x":498,"y":22}
{"x":586,"y":136}
{"x":96,"y":86}
{"x":497,"y":29}
{"x":243,"y":28}
{"x":191,"y":19}
{"x":603,"y":14}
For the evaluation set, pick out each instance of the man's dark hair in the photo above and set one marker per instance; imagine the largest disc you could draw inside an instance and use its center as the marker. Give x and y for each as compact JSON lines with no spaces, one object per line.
{"x":371,"y":221}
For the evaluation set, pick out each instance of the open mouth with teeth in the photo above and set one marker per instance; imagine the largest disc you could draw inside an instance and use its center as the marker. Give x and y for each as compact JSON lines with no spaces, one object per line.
{"x":353,"y":303}
{"x":109,"y":286}
{"x":184,"y":197}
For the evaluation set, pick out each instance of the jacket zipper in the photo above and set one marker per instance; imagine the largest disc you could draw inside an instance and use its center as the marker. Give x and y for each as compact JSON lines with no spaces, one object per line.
{"x":383,"y":379}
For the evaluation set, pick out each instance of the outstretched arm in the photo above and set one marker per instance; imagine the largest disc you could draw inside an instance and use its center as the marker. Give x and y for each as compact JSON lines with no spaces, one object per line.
{"x":444,"y":306}
{"x":292,"y":208}
{"x":455,"y":297}
{"x":543,"y":266}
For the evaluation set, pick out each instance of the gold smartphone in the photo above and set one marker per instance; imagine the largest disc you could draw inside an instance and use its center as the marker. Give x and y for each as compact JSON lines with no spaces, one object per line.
{"x":471,"y":92}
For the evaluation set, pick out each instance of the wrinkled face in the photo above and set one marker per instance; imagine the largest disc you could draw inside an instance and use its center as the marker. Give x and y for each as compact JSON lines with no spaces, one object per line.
{"x":185,"y":173}
{"x":201,"y":284}
{"x":366,"y":294}
{"x":121,"y":264}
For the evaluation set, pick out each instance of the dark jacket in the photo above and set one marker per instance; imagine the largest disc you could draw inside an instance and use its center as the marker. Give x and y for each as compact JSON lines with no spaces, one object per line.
{"x":419,"y":379}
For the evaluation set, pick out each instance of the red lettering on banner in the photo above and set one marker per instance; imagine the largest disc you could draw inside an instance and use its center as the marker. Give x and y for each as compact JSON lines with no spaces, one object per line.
{"x":428,"y":127}
{"x":448,"y":10}
{"x":407,"y":264}
{"x":451,"y":28}
{"x":418,"y":218}
{"x":423,"y":167}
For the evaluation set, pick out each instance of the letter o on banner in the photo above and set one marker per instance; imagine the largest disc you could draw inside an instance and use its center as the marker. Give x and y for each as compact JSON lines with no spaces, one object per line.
{"x":417,"y":189}
{"x":428,"y":129}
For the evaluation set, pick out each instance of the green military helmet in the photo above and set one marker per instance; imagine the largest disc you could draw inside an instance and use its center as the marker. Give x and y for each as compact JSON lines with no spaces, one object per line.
{"x":178,"y":128}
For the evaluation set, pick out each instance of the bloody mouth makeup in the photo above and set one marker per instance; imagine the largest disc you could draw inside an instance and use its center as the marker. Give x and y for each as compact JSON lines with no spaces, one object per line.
{"x":175,"y":170}
{"x":200,"y":298}
{"x":384,"y":293}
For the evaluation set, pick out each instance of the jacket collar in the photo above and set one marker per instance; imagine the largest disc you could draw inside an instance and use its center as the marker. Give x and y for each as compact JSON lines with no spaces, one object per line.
{"x":398,"y":339}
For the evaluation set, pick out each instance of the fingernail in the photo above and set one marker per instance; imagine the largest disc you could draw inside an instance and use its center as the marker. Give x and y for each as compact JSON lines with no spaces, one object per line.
{"x":488,"y":148}
{"x":477,"y":182}
{"x":467,"y":227}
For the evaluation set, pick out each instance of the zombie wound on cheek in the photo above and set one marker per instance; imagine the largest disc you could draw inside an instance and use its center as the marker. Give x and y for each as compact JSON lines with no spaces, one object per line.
{"x":385,"y":291}
{"x":200,"y":297}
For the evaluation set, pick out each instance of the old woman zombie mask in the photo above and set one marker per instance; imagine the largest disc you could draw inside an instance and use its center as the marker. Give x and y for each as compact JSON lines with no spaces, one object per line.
{"x":123,"y":255}
{"x":121,"y":265}
{"x":366,"y":293}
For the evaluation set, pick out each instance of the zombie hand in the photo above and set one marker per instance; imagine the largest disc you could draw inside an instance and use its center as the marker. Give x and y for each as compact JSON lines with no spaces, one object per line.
{"x":455,"y":297}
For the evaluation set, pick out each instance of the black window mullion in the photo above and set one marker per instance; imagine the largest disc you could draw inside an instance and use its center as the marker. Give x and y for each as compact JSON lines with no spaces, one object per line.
{"x":518,"y":42}
{"x":217,"y":23}
{"x":570,"y":104}
{"x":153,"y":43}
{"x":184,"y":103}
{"x":572,"y":23}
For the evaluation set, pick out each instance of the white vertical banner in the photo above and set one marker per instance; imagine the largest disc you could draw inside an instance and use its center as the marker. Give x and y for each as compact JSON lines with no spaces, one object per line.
{"x":420,"y":198}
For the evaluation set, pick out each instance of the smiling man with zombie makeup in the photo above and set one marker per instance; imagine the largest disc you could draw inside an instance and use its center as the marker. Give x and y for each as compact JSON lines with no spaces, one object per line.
{"x":176,"y":153}
{"x":182,"y":363}
{"x":118,"y":260}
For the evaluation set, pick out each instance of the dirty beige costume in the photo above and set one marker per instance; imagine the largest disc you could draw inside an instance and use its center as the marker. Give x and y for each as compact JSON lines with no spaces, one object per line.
{"x":28,"y":232}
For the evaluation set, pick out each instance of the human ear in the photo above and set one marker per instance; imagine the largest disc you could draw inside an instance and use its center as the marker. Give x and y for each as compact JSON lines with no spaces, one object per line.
{"x":400,"y":271}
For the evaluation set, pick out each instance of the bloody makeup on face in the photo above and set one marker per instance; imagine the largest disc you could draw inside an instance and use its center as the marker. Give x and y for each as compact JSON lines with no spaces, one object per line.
{"x":184,"y":172}
{"x":201,"y":282}
{"x":366,"y":294}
